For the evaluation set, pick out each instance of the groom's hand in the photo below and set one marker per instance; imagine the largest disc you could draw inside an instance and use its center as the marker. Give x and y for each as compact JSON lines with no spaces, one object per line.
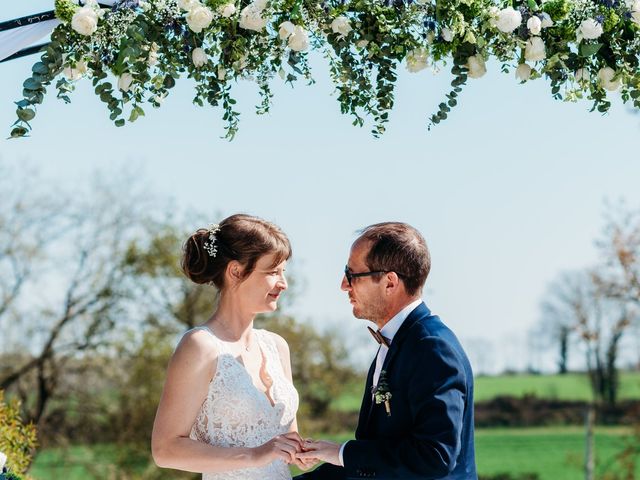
{"x":321,"y":450}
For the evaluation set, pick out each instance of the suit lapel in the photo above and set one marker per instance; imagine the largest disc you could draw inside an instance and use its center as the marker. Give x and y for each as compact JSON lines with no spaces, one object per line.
{"x":365,"y":408}
{"x":419,"y":312}
{"x":367,"y":403}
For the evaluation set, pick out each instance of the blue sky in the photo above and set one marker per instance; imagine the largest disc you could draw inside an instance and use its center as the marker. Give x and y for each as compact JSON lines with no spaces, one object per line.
{"x":508,"y":192}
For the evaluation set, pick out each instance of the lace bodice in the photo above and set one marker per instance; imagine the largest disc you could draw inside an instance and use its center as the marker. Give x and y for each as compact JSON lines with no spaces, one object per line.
{"x":236,"y":414}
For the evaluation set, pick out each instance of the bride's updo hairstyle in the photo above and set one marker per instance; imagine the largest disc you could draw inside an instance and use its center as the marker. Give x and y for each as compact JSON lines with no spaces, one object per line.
{"x":243,"y":238}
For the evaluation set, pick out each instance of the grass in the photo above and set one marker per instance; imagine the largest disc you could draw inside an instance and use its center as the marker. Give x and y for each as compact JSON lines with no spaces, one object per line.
{"x":552,"y":453}
{"x":555,"y":453}
{"x":573,"y":386}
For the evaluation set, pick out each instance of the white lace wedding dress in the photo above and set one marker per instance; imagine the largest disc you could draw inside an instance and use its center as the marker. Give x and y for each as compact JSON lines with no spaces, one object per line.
{"x":236,"y":414}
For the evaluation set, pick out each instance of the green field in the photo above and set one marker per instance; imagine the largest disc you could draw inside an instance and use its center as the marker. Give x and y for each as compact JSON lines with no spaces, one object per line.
{"x":573,"y":386}
{"x":552,"y":453}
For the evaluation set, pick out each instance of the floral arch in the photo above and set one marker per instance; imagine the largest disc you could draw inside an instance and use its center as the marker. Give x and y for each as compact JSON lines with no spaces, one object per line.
{"x":585,"y":48}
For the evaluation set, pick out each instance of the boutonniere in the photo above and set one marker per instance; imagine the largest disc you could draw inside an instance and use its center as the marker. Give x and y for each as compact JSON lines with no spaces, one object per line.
{"x":381,"y":394}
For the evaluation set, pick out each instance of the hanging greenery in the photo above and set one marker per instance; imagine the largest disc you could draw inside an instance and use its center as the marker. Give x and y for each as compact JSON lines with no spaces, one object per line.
{"x":585,"y":48}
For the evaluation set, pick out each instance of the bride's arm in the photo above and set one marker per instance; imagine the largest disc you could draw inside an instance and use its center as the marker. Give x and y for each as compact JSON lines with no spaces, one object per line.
{"x":190,"y":370}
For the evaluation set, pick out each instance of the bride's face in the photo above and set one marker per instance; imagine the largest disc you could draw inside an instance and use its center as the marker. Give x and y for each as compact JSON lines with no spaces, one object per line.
{"x":262,"y":288}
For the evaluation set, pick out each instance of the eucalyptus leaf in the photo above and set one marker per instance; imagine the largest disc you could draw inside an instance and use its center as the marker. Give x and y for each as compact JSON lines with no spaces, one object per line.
{"x":589,"y":49}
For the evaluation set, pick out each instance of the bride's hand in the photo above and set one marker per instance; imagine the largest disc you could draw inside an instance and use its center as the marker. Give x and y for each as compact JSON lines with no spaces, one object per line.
{"x":283,"y":447}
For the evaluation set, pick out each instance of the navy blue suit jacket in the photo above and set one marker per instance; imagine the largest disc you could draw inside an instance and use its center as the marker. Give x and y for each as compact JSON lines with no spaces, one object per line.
{"x":429,"y":434}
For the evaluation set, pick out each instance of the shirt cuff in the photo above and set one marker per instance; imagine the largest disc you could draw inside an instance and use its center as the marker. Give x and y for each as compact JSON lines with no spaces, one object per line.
{"x":340,"y":458}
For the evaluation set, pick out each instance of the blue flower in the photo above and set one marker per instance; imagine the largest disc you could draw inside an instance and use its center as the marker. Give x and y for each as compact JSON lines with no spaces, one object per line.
{"x":120,"y":4}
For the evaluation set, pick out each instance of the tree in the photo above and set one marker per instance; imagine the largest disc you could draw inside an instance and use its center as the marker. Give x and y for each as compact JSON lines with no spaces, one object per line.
{"x":599,"y":322}
{"x":558,"y":317}
{"x":71,"y":304}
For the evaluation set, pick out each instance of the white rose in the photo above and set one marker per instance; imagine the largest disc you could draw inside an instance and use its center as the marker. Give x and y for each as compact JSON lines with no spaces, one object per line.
{"x":605,"y":76}
{"x":188,"y":5}
{"x":417,"y":60}
{"x":199,"y":57}
{"x":286,"y":30}
{"x":546,"y":20}
{"x":251,"y":18}
{"x":125,"y":81}
{"x":74,"y":74}
{"x":508,"y":20}
{"x":3,"y":460}
{"x":222,"y":73}
{"x":260,"y":4}
{"x":590,"y":29}
{"x":534,"y":50}
{"x":341,"y":26}
{"x":476,"y":66}
{"x":227,"y":10}
{"x":299,"y":40}
{"x":635,"y":12}
{"x":582,"y":75}
{"x":199,"y":18}
{"x":523,"y":72}
{"x":447,"y":34}
{"x":534,"y":24}
{"x":362,"y":43}
{"x":85,"y":21}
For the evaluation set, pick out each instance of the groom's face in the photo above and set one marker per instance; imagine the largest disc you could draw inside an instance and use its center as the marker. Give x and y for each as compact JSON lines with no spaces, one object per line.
{"x":366,"y":295}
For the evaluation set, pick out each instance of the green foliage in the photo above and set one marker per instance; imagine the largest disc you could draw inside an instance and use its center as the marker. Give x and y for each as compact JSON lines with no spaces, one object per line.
{"x":17,"y":440}
{"x":557,"y":9}
{"x":144,"y":372}
{"x":65,"y":9}
{"x":149,"y":47}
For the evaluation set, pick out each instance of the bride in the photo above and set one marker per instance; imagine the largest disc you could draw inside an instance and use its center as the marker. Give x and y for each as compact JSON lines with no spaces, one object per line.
{"x":228,"y":408}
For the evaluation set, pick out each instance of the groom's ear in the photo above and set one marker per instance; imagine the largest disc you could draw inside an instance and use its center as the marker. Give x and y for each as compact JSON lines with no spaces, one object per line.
{"x":392,"y":283}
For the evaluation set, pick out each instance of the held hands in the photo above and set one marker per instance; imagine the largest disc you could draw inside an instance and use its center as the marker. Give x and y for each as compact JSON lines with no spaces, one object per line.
{"x":284,"y":447}
{"x":320,"y":450}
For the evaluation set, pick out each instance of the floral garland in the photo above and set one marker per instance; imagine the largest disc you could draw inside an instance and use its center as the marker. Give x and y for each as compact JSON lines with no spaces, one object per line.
{"x":584,"y":47}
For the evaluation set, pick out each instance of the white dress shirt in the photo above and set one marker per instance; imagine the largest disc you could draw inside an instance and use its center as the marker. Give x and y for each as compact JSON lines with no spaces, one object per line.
{"x":388,"y":331}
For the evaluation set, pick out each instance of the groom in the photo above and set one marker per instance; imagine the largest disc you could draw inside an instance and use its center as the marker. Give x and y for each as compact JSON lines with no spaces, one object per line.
{"x":416,"y":419}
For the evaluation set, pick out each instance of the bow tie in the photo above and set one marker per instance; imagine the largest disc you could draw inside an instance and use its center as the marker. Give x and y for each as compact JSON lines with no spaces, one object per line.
{"x":379,"y":338}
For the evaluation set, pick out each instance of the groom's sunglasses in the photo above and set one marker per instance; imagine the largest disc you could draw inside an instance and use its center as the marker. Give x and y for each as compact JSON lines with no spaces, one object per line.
{"x":351,"y":276}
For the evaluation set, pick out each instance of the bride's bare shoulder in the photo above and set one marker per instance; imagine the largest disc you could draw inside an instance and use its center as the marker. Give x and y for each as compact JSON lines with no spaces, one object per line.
{"x":197,"y":345}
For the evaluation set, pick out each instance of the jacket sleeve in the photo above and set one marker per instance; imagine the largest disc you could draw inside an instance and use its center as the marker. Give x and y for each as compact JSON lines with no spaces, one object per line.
{"x":436,"y":396}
